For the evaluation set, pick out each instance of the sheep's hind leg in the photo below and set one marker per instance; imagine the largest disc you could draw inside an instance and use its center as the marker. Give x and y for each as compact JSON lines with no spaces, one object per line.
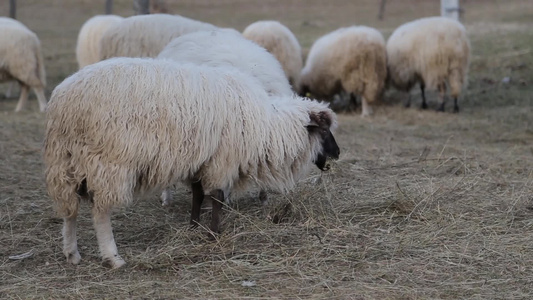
{"x":24,"y":90}
{"x":218,"y":198}
{"x":455,"y":105}
{"x":106,"y":241}
{"x":70,"y":241}
{"x":423,"y":89}
{"x":442,"y":96}
{"x":197,"y":199}
{"x":10,"y":89}
{"x":39,"y":92}
{"x":263,"y":197}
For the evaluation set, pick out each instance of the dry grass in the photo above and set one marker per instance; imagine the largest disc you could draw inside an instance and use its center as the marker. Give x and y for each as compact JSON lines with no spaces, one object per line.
{"x":420,"y":205}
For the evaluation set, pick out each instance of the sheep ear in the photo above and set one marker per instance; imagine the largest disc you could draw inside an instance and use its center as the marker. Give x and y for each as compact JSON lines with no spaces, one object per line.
{"x":320,"y":119}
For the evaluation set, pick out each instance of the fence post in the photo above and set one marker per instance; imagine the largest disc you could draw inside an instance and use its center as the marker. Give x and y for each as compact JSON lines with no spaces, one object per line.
{"x":141,"y":7}
{"x":450,"y":9}
{"x":13,"y":9}
{"x":108,"y":7}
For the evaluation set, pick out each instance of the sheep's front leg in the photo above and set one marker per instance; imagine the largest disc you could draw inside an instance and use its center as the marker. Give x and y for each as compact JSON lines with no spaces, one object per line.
{"x":197,"y":199}
{"x":24,"y":90}
{"x":106,"y":241}
{"x":366,"y":108}
{"x":423,"y":91}
{"x":218,"y":198}
{"x":70,"y":241}
{"x":455,"y":105}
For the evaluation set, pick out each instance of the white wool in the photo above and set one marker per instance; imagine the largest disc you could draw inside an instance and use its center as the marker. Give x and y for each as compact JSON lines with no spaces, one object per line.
{"x":227,"y":47}
{"x":432,"y":50}
{"x":146,"y":35}
{"x":88,"y":44}
{"x":281,"y":42}
{"x":21,"y":60}
{"x":127,"y":125}
{"x":350,"y":59}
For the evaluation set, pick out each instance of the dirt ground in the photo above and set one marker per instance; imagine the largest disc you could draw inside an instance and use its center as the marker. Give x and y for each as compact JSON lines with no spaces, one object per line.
{"x":420,"y":205}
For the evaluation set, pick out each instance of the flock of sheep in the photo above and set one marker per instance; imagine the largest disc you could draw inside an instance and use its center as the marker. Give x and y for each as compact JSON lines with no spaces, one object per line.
{"x":161,"y":99}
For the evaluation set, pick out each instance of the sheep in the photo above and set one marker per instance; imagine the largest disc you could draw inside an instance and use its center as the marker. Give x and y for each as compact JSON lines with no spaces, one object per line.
{"x":146,"y":35}
{"x":281,"y":42}
{"x":227,"y":47}
{"x":125,"y":126}
{"x":432,"y":51}
{"x":350,"y":59}
{"x":21,"y":60}
{"x":88,"y":45}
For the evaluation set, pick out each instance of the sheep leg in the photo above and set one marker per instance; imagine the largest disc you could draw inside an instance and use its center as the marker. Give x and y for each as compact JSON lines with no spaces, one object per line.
{"x":408,"y":101}
{"x":24,"y":90}
{"x":367,"y":109}
{"x":263,"y":197}
{"x":70,"y":241}
{"x":423,"y":89}
{"x":218,"y":198}
{"x":166,"y":197}
{"x":106,"y":241}
{"x":455,"y":105}
{"x":197,"y":199}
{"x":10,"y":89}
{"x":39,"y":92}
{"x":442,"y":96}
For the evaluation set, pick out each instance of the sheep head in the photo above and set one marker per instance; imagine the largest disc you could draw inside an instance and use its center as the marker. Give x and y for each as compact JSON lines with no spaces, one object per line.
{"x":320,"y":126}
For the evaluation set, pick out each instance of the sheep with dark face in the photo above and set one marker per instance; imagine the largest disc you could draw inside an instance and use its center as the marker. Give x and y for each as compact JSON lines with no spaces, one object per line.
{"x":227,"y":47}
{"x":127,"y":125}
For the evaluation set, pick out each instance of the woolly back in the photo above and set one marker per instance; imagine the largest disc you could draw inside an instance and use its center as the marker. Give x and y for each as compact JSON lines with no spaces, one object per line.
{"x":88,"y":44}
{"x":281,"y":42}
{"x":162,"y":121}
{"x":227,"y":47}
{"x":341,"y":52}
{"x":20,"y":54}
{"x":146,"y":35}
{"x":430,"y":48}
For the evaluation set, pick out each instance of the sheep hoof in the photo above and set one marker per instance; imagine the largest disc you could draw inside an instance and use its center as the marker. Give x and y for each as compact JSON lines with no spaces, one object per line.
{"x":114,"y":262}
{"x":73,"y":258}
{"x":456,"y":109}
{"x":424,"y":105}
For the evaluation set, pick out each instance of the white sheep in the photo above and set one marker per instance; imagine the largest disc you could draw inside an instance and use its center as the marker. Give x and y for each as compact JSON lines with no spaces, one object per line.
{"x":21,"y":60}
{"x":352,"y":60}
{"x":281,"y":42}
{"x":88,"y":45}
{"x":227,"y":47}
{"x":146,"y":35}
{"x":130,"y":125}
{"x":434,"y":52}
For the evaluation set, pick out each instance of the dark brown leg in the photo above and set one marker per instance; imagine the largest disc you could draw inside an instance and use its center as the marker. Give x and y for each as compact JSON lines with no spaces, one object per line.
{"x":455,"y":106}
{"x":197,"y":199}
{"x":218,"y":198}
{"x":263,"y":196}
{"x":422,"y":88}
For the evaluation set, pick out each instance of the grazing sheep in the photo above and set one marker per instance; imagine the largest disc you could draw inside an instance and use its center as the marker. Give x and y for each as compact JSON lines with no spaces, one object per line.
{"x":351,"y":60}
{"x":281,"y":42}
{"x":21,"y":60}
{"x":130,"y":125}
{"x":88,"y":45}
{"x":146,"y":35}
{"x":431,"y":51}
{"x":227,"y":47}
